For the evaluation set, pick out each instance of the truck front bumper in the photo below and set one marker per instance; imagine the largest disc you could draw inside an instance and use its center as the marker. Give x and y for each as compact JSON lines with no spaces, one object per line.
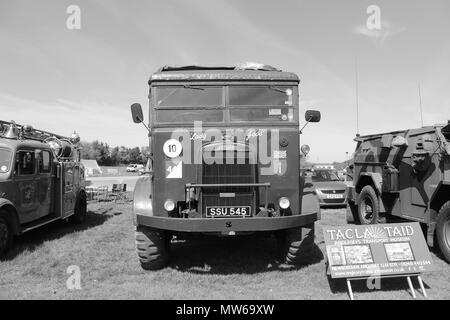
{"x":226,"y":225}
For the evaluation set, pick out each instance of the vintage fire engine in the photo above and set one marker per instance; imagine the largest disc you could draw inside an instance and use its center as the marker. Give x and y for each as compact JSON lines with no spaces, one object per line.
{"x":41,"y":180}
{"x":225,"y":160}
{"x":404,"y":175}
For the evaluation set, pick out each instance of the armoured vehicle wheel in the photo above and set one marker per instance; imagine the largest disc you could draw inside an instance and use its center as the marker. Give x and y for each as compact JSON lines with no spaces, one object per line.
{"x":297,"y":243}
{"x":152,"y":248}
{"x":80,"y":209}
{"x":5,"y":236}
{"x":443,"y":230}
{"x":368,"y":210}
{"x":352,"y":213}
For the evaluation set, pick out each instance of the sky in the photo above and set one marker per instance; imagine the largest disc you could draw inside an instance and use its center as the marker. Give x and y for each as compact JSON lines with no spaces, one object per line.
{"x":60,"y":79}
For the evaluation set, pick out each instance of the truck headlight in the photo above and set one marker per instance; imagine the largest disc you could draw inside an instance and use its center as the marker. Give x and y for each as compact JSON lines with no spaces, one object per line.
{"x":169,"y":205}
{"x":284,"y":203}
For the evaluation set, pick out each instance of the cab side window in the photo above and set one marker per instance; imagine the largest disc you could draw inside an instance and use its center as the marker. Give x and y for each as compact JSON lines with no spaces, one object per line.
{"x":25,"y":162}
{"x":45,"y":162}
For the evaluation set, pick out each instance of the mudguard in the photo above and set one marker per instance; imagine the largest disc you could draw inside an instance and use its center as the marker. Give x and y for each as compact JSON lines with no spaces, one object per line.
{"x":375,"y":178}
{"x":5,"y":202}
{"x":310,"y":205}
{"x":142,"y":198}
{"x":440,"y":195}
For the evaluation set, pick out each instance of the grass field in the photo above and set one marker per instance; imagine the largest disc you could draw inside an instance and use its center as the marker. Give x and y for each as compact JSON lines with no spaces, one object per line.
{"x":103,"y":248}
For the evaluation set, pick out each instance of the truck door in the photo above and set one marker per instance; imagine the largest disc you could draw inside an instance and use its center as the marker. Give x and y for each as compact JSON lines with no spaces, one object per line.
{"x":26,"y":184}
{"x":45,"y":181}
{"x":68,"y":188}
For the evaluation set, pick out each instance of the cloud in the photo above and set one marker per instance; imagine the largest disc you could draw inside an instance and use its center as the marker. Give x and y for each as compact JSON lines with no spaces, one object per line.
{"x":387,"y":30}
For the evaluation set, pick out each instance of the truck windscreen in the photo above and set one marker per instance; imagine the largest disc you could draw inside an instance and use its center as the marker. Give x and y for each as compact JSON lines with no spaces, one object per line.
{"x":188,"y":96}
{"x":5,"y":160}
{"x":248,"y":103}
{"x":261,"y":96}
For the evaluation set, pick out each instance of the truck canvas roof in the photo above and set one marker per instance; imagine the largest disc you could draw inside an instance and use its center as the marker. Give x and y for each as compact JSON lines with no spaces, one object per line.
{"x":247,"y":71}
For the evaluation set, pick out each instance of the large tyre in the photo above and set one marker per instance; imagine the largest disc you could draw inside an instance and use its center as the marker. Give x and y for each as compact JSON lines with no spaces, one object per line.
{"x":80,"y":209}
{"x":368,"y":206}
{"x":297,"y":243}
{"x":443,"y":230}
{"x":152,"y":248}
{"x":6,"y":236}
{"x":352,"y":213}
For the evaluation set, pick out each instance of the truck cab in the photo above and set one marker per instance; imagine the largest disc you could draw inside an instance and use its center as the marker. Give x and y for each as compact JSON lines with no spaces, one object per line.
{"x":225,"y":154}
{"x":41,"y":180}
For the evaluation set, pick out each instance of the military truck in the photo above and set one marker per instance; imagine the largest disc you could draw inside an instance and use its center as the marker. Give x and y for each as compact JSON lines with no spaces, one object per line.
{"x":41,"y":180}
{"x":224,"y":160}
{"x":404,"y":175}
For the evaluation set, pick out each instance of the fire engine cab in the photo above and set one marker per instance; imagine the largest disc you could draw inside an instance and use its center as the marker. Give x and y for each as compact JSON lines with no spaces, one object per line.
{"x":41,"y":180}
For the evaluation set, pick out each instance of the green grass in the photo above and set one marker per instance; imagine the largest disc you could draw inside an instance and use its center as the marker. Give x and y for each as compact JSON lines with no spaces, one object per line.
{"x":245,"y":268}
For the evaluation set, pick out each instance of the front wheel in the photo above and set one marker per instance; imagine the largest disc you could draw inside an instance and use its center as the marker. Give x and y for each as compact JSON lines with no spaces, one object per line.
{"x":443,"y":230}
{"x":152,"y":248}
{"x":368,"y":207}
{"x":6,"y":236}
{"x":297,"y":243}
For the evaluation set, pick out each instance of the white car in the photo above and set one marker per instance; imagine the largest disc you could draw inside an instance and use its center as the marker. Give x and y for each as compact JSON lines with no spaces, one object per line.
{"x":135,"y":167}
{"x":131,"y":168}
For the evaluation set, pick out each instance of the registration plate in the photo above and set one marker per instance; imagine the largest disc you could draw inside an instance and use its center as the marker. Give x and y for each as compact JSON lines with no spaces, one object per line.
{"x":335,"y":196}
{"x":240,"y":211}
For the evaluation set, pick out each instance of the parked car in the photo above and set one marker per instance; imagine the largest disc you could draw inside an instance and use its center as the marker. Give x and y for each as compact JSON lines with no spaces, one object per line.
{"x":131,"y":168}
{"x":330,"y":190}
{"x":135,"y":168}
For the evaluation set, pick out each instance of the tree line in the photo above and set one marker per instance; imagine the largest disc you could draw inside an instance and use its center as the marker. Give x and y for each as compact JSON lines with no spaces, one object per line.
{"x":112,"y":156}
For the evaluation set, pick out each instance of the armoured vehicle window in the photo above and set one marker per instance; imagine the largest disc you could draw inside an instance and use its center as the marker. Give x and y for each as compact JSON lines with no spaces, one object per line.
{"x":189,"y":115}
{"x":25,"y":162}
{"x":5,"y":160}
{"x":188,"y":96}
{"x":324,"y":175}
{"x":262,"y":114}
{"x":44,"y":163}
{"x":261,"y":96}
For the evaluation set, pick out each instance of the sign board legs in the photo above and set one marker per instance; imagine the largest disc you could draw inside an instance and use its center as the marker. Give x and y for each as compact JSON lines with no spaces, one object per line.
{"x":411,"y":287}
{"x":408,"y":279}
{"x":422,"y":287}
{"x":350,"y":291}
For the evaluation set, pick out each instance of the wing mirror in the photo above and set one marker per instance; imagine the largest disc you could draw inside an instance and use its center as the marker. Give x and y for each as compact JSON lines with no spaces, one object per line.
{"x":136,"y":113}
{"x":311,"y":116}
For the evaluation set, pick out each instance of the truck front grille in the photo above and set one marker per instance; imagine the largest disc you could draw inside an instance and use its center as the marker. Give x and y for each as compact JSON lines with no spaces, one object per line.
{"x":225,"y":174}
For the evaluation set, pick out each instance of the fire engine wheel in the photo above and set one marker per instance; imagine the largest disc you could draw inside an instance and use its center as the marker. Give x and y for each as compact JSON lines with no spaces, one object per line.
{"x":368,"y":210}
{"x":297,"y":244}
{"x":5,"y":236}
{"x":443,"y":230}
{"x":80,"y":209}
{"x":152,"y":248}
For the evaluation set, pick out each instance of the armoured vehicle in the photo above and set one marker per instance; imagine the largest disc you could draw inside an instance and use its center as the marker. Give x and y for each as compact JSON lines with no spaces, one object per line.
{"x":224,"y":160}
{"x":404,"y":175}
{"x":41,"y":180}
